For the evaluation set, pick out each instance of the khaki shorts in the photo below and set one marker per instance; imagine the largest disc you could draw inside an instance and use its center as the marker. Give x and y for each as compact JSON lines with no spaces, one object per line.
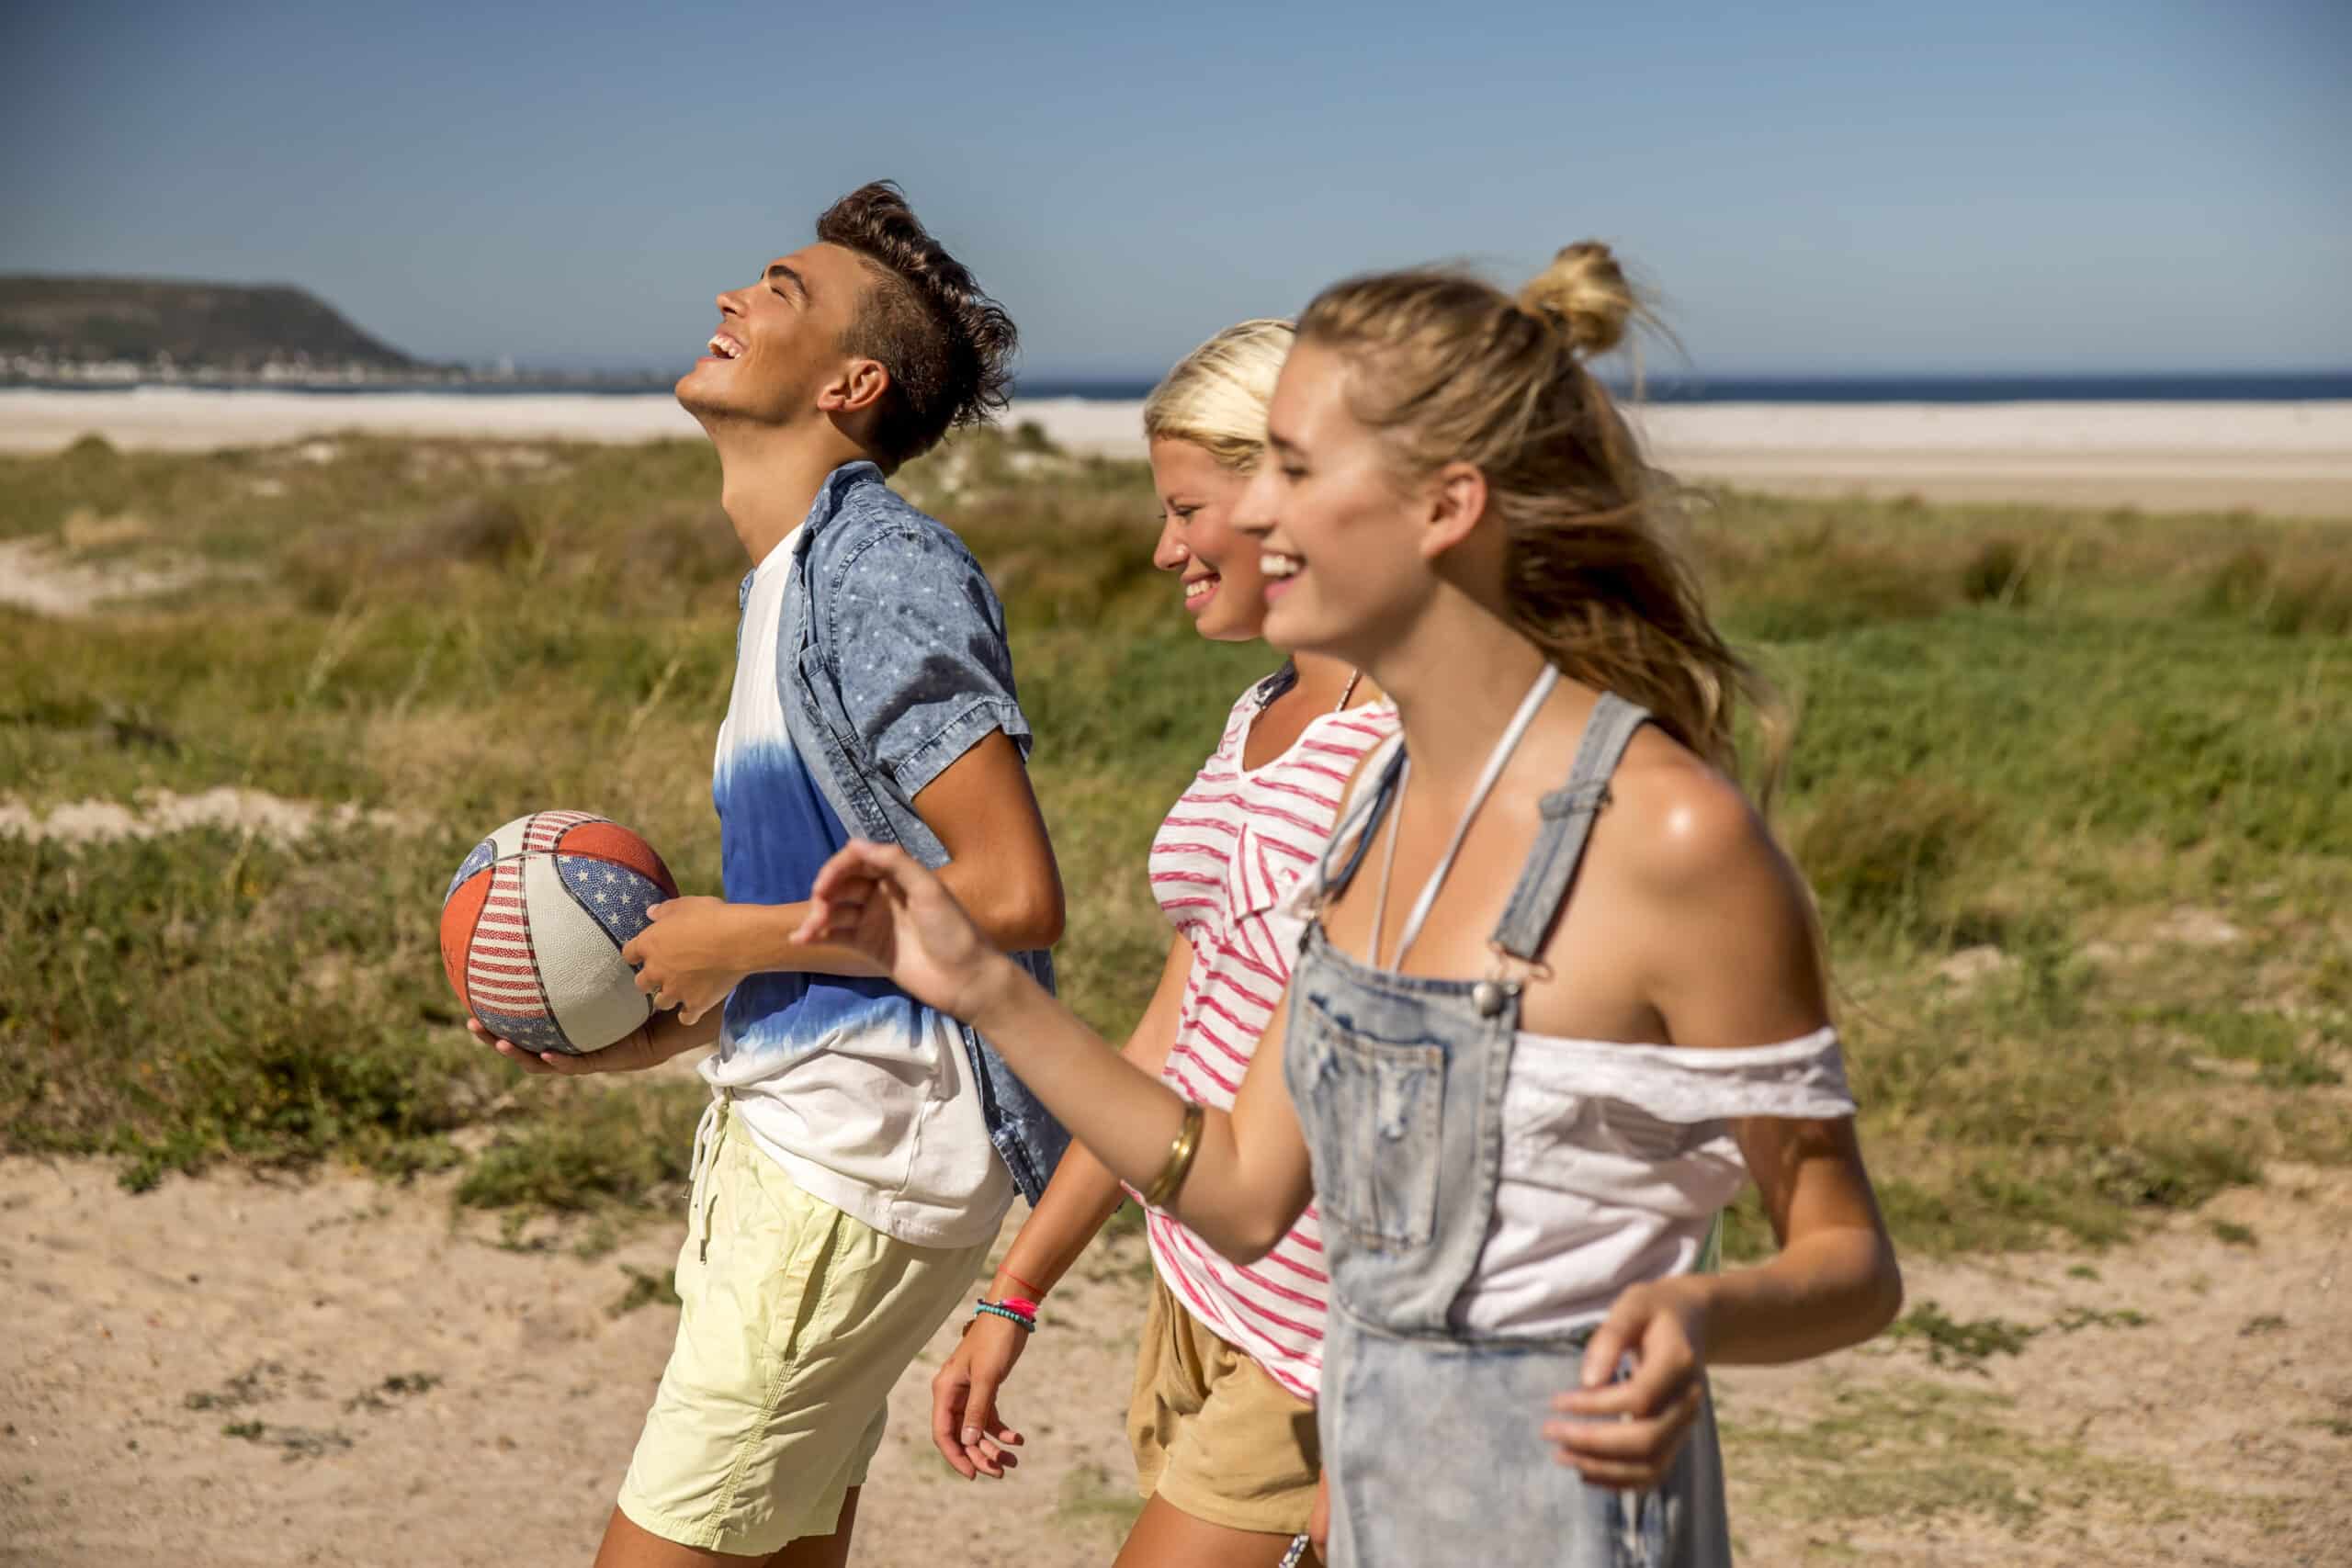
{"x":1214,"y":1434}
{"x":795,"y":1320}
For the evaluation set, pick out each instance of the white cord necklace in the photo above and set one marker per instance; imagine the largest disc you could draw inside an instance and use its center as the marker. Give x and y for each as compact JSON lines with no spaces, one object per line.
{"x":1487,"y":780}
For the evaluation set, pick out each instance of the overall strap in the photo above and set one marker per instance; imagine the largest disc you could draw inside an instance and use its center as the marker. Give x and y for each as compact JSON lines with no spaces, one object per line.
{"x":1568,"y":825}
{"x":1362,"y":818}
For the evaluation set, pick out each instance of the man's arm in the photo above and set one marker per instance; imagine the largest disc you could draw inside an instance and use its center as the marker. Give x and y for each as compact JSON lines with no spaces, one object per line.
{"x":1001,"y":864}
{"x":931,"y":699}
{"x":1002,"y":869}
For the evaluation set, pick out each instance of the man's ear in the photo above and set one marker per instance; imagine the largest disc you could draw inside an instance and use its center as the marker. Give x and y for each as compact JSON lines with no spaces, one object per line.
{"x":1456,"y":500}
{"x":856,"y":388}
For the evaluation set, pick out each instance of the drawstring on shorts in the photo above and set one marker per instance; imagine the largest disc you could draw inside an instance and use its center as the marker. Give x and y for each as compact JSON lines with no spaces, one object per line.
{"x":709,"y":1132}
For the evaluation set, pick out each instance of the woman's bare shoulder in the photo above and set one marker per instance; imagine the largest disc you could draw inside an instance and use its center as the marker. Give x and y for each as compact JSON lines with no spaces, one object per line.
{"x":1680,"y":827}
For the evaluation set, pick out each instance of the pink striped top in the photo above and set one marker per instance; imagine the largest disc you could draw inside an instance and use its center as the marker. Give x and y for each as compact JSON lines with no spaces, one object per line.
{"x":1229,"y":848}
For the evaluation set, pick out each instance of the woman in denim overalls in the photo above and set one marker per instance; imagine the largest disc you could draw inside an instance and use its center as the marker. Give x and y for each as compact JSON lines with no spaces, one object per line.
{"x":1520,"y":1103}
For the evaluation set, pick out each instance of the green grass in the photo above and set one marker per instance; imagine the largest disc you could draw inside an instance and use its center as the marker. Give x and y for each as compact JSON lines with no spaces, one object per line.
{"x":1916,"y":1451}
{"x":2072,"y":735}
{"x":1967,"y":1344}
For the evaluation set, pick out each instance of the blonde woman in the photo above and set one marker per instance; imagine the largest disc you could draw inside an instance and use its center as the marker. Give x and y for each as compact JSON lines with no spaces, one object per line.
{"x":1559,"y":995}
{"x":1222,"y":1420}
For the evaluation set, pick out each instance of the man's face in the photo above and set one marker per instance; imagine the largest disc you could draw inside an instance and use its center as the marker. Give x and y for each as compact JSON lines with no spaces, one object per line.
{"x":779,"y":339}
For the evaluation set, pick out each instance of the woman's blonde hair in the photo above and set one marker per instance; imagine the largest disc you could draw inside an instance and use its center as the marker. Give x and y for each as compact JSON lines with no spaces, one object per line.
{"x":1217,"y":395}
{"x":1448,"y":369}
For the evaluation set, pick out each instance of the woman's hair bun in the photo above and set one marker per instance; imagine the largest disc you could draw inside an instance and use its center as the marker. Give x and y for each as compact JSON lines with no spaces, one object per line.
{"x":1584,"y":292}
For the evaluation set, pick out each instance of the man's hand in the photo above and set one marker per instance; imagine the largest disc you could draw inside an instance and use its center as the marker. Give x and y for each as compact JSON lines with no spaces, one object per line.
{"x":687,"y":958}
{"x":650,"y":1045}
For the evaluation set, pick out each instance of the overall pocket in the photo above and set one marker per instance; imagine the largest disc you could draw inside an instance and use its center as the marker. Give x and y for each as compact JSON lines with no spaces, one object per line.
{"x":1373,"y":1112}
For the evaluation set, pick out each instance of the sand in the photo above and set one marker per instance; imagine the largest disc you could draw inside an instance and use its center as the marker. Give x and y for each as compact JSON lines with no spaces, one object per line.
{"x":234,"y":1371}
{"x":2287,"y":458}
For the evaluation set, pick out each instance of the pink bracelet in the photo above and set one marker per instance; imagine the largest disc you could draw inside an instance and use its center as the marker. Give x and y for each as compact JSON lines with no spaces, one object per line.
{"x":1027,"y":1324}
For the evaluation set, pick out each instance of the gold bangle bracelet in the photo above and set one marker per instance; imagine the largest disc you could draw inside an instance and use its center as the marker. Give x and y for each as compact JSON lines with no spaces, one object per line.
{"x":1170,"y":1179}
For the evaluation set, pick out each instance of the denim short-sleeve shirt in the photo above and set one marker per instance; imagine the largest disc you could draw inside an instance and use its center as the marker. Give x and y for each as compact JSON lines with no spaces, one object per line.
{"x":892,"y":662}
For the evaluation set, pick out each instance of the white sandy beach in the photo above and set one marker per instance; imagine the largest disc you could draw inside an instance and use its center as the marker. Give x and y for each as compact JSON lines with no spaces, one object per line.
{"x":2292,"y":458}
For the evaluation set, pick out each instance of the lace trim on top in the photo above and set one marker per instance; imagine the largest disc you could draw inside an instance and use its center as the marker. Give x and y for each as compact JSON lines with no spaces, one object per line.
{"x":1802,"y":1079}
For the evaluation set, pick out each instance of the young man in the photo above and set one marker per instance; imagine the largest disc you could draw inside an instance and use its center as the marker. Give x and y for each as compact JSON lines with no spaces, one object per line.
{"x":861,"y":1148}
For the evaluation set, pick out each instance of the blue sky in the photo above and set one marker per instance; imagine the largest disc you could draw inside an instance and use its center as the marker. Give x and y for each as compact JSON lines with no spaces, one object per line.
{"x":2101,"y":186}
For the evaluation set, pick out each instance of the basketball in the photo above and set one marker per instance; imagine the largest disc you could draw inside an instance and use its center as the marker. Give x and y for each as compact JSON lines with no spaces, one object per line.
{"x":532,"y":925}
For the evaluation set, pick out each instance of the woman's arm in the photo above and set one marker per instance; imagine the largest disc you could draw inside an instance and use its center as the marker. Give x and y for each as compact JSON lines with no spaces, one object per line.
{"x":1736,"y":962}
{"x":965,"y":1422}
{"x":1250,"y":1178}
{"x":1745,"y":969}
{"x":1084,"y":1193}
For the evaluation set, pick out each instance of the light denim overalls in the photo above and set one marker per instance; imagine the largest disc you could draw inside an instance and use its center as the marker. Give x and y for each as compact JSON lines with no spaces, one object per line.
{"x":1432,"y":1437}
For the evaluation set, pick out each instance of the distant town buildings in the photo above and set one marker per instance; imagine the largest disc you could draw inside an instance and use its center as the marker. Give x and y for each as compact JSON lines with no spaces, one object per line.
{"x":293,"y":372}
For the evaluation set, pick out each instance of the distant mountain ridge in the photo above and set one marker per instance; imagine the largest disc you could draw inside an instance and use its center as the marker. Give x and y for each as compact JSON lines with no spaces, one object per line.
{"x":217,"y":326}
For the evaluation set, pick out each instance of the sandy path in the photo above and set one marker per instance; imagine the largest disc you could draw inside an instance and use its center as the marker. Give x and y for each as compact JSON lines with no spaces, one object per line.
{"x":2289,"y":458}
{"x":423,"y":1394}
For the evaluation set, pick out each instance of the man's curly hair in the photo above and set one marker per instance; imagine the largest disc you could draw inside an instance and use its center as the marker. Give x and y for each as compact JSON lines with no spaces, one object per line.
{"x":948,"y":347}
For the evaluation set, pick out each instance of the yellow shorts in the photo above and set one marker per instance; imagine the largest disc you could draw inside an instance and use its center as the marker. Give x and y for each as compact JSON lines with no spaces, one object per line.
{"x":795,"y":1320}
{"x":1213,"y":1433}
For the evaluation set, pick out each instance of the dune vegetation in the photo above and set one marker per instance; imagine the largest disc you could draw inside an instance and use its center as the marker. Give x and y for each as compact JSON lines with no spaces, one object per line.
{"x":2074,"y":791}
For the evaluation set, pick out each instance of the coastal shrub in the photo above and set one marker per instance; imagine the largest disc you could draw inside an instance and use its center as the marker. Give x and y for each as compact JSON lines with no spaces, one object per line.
{"x":592,"y":1145}
{"x":478,"y":530}
{"x":1995,"y":574}
{"x":207,"y":994}
{"x":2308,"y":593}
{"x":677,"y":549}
{"x":1877,"y":854}
{"x":1030,"y":437}
{"x":1810,"y":579}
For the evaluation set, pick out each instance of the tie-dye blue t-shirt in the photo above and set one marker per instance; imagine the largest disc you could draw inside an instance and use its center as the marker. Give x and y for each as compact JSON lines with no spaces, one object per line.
{"x":860,"y":1091}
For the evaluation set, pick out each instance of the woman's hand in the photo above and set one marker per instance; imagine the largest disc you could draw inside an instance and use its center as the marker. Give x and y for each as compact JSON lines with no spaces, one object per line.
{"x":1625,"y":1434}
{"x":879,"y":902}
{"x":964,"y":1422}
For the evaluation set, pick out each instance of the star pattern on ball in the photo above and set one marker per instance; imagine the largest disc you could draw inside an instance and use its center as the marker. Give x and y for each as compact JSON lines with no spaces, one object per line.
{"x":531,"y":1034}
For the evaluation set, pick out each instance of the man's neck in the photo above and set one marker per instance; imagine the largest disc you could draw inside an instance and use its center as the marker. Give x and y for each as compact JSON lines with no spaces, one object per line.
{"x":769,"y":479}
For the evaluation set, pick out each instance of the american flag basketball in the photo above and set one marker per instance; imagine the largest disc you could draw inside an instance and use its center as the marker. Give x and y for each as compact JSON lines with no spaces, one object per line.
{"x":532,"y":925}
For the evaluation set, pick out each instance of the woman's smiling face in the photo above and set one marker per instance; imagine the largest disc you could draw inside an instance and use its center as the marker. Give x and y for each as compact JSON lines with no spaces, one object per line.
{"x":1224,"y":591}
{"x":1343,"y":561}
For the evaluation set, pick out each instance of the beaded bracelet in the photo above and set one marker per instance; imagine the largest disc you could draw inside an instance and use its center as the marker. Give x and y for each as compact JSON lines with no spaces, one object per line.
{"x":1006,"y":1312}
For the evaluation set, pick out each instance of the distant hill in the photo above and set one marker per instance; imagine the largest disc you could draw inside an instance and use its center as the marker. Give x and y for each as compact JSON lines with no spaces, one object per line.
{"x":219,"y":326}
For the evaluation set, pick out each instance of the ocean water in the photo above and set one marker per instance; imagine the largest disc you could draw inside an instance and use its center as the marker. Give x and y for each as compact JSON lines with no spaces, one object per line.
{"x":2299,"y":386}
{"x":2186,"y":387}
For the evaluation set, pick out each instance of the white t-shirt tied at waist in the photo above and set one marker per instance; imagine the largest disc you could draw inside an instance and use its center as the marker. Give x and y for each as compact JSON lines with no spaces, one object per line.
{"x":1229,"y":850}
